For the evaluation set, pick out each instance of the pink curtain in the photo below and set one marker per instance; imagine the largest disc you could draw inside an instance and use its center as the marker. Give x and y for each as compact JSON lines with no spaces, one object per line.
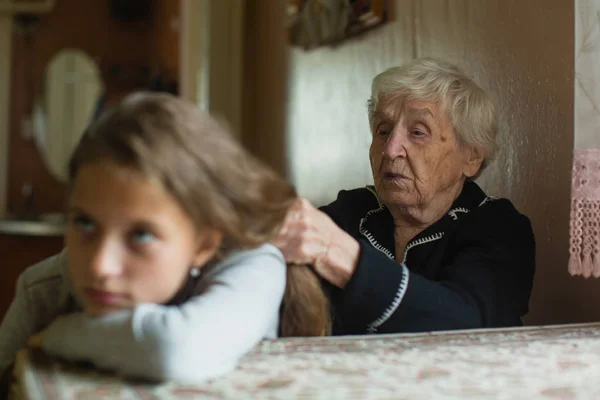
{"x":585,"y":192}
{"x":585,"y":213}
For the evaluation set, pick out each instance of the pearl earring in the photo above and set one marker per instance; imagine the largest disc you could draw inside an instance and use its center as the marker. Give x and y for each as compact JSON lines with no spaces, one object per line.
{"x":195,"y":272}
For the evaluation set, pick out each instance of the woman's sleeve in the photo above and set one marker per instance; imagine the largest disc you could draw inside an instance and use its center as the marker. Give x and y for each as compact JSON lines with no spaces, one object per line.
{"x":486,"y":282}
{"x":200,"y":339}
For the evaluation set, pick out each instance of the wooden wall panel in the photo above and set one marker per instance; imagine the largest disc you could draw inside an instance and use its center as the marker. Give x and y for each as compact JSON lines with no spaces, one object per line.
{"x":86,"y":25}
{"x":24,"y":251}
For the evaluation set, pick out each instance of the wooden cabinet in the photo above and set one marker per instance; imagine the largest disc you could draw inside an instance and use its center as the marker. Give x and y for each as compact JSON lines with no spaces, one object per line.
{"x":17,"y":252}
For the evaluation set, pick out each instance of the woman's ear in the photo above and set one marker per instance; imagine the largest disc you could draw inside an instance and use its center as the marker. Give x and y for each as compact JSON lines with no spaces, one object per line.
{"x":473,"y":160}
{"x":209,"y":242}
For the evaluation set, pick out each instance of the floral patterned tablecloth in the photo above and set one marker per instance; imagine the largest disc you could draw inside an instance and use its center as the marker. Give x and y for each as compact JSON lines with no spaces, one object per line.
{"x":559,"y":362}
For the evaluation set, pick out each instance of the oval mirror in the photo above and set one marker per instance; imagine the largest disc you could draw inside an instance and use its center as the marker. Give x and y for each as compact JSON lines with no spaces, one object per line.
{"x":72,"y":92}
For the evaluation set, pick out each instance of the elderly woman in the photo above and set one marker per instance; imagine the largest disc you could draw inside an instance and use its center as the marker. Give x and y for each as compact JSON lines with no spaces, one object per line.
{"x":425,"y":248}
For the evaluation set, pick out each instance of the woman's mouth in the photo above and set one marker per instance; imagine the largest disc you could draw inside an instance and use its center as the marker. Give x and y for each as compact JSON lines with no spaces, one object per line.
{"x":393,"y":176}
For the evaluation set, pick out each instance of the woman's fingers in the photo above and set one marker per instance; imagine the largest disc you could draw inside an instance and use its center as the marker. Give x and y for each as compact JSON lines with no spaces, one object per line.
{"x":309,"y":236}
{"x":300,"y":238}
{"x":296,"y":247}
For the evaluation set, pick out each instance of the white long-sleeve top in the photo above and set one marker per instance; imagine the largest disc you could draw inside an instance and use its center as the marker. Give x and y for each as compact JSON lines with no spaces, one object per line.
{"x":234,"y":306}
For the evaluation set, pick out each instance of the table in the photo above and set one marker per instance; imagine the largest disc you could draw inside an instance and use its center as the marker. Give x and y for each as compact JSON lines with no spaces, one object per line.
{"x":553,"y":362}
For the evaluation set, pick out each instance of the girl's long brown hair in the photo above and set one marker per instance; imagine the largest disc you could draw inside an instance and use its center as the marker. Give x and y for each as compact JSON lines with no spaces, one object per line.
{"x":217,"y":182}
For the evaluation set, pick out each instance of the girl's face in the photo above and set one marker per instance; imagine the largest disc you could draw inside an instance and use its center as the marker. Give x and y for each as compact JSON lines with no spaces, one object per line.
{"x":128,"y":241}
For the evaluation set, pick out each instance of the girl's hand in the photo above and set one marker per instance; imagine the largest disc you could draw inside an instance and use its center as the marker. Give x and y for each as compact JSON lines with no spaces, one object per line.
{"x":36,"y":340}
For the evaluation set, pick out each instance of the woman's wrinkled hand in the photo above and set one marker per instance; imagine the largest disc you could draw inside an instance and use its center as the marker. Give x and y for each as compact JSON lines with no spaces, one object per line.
{"x":309,"y":236}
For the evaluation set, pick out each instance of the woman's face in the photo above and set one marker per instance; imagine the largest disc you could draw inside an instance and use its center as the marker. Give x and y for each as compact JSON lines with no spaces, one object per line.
{"x":415,"y":156}
{"x":128,"y":241}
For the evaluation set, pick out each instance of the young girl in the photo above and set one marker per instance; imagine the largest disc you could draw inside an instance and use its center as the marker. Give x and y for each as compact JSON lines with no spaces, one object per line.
{"x":166,"y":273}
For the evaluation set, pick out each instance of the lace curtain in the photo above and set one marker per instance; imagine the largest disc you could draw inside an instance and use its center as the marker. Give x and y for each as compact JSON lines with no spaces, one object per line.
{"x":585,"y":191}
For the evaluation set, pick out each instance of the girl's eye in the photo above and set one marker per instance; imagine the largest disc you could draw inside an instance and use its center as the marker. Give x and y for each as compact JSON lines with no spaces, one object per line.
{"x":84,"y":224}
{"x":143,"y":237}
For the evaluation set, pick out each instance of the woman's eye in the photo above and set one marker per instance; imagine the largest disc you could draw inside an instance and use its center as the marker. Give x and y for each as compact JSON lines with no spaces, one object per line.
{"x":84,"y":224}
{"x":418,"y":133}
{"x":143,"y":237}
{"x":383,"y":132}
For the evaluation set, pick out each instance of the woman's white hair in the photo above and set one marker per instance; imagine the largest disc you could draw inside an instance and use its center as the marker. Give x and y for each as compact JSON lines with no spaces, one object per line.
{"x":469,"y":108}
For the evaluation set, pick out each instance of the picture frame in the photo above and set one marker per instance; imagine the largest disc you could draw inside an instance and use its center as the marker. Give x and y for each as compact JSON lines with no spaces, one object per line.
{"x":313,"y":23}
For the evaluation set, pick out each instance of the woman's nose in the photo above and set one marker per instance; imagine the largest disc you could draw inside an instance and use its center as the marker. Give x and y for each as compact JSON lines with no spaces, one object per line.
{"x":105,"y":260}
{"x":396,"y":143}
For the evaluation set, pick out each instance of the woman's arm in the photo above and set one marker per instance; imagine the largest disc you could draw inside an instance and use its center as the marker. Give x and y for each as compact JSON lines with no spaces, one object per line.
{"x":486,"y":282}
{"x":200,"y":339}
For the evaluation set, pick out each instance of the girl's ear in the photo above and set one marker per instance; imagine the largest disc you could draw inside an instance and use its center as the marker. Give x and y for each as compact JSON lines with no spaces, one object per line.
{"x":209,"y":241}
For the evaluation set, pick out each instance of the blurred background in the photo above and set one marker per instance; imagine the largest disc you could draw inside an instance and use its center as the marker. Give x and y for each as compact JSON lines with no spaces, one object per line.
{"x":292,"y":79}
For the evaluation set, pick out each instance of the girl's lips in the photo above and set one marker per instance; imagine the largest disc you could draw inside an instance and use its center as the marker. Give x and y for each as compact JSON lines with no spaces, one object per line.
{"x":104,"y":297}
